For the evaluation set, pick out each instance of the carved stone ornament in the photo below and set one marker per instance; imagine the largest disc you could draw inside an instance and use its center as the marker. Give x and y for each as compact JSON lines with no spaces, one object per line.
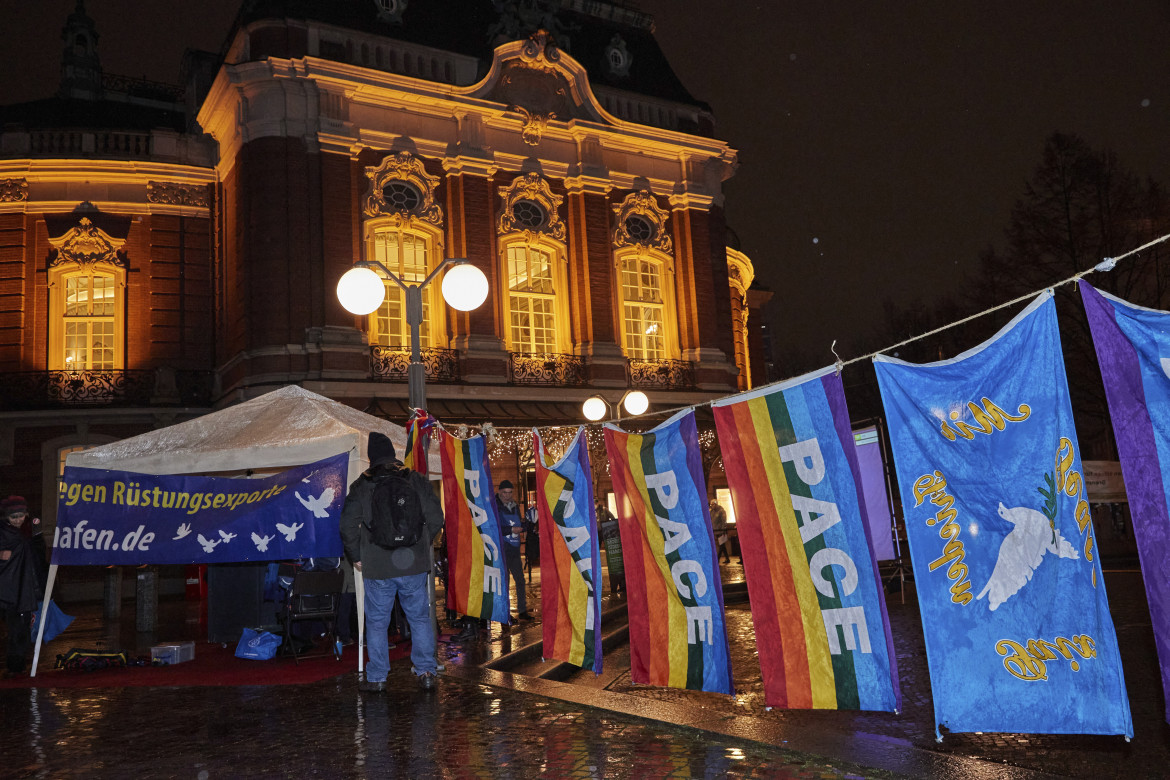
{"x":86,"y":244}
{"x":534,"y":124}
{"x":531,"y":187}
{"x":740,"y":271}
{"x":12,"y":190}
{"x":642,"y":204}
{"x":174,"y":194}
{"x":540,"y":51}
{"x":403,"y":167}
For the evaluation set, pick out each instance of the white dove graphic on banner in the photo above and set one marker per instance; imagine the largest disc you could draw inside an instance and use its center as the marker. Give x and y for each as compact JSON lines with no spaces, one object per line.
{"x":261,"y":542}
{"x":318,"y":505}
{"x":208,"y":545}
{"x":1021,"y":553}
{"x":290,"y":532}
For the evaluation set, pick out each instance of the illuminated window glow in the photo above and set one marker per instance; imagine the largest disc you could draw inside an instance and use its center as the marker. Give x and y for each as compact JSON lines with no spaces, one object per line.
{"x":407,"y":255}
{"x":643,"y":309}
{"x":531,"y":299}
{"x":88,"y":313}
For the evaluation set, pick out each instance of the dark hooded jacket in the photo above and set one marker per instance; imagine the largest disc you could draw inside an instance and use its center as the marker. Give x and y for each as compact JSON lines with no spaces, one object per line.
{"x":19,"y":580}
{"x":377,"y":562}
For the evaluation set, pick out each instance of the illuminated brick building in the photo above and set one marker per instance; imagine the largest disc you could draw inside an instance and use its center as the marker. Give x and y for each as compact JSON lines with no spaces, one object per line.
{"x":164,"y":251}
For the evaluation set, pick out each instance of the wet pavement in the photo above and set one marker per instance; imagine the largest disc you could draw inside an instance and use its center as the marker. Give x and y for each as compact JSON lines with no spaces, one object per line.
{"x":504,"y":720}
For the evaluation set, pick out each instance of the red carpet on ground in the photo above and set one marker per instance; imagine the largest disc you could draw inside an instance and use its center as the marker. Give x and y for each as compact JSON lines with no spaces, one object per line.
{"x":213,"y":665}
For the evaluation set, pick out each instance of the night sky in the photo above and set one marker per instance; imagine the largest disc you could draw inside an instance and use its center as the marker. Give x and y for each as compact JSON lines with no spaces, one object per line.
{"x":881,"y":145}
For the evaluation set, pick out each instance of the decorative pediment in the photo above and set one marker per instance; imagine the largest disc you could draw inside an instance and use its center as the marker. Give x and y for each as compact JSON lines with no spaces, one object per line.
{"x":530,"y":206}
{"x":534,"y":78}
{"x":401,"y":187}
{"x":12,"y":190}
{"x":175,"y":194}
{"x":86,"y":244}
{"x":641,"y":222}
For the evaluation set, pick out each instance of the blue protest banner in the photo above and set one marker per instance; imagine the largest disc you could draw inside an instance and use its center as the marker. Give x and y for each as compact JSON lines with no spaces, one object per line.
{"x":120,"y":517}
{"x":1018,"y":632}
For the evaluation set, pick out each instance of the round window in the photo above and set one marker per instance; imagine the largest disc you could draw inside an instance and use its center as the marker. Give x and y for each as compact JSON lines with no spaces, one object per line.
{"x":401,"y":195}
{"x":640,"y":229}
{"x":528,"y":214}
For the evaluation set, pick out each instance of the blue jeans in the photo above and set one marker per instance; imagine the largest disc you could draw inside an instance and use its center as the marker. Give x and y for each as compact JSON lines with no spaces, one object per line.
{"x":412,"y":594}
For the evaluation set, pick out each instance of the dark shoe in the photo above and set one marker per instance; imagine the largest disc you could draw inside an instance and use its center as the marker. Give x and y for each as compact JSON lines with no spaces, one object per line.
{"x":428,"y":681}
{"x":525,"y":616}
{"x":468,"y":634}
{"x":365,"y":686}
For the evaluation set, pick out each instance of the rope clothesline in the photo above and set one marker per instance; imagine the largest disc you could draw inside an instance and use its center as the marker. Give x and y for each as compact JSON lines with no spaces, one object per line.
{"x":1105,"y":265}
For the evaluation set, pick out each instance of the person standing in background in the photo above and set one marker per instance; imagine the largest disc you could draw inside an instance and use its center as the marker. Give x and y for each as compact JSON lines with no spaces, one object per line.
{"x":22,"y":560}
{"x":511,"y":525}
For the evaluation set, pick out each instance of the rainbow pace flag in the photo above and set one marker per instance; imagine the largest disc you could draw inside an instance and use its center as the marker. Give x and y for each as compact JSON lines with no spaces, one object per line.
{"x":678,"y":636}
{"x":1018,"y":632}
{"x":476,"y":585}
{"x":1133,"y":348}
{"x":817,"y":603}
{"x":570,"y":555}
{"x":418,"y":441}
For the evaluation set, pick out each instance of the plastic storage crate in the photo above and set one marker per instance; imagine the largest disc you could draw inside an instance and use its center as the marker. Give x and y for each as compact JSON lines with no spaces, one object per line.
{"x":175,"y":653}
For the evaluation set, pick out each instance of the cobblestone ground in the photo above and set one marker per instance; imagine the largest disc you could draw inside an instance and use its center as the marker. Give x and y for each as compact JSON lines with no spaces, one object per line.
{"x":327,"y":729}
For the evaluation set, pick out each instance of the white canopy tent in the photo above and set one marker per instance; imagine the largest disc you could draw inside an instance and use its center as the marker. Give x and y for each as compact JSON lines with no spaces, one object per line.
{"x":286,"y":427}
{"x":280,"y":429}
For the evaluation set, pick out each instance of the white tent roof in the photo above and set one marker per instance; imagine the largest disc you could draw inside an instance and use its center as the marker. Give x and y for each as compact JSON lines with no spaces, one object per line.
{"x":286,"y":427}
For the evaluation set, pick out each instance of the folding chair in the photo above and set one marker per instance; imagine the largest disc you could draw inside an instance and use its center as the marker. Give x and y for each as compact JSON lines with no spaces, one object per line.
{"x":314,"y":595}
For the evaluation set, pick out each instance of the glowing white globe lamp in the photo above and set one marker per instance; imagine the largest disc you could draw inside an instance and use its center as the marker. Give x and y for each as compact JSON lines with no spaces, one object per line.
{"x":636,"y":402}
{"x":361,"y":290}
{"x":594,"y":408}
{"x":465,"y":287}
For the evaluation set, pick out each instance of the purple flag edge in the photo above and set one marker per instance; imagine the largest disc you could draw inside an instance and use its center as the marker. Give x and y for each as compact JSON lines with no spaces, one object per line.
{"x":688,"y":429}
{"x":1134,"y":432}
{"x":834,"y":390}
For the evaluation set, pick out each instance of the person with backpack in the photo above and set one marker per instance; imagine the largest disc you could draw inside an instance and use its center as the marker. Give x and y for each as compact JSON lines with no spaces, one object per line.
{"x":391,"y":518}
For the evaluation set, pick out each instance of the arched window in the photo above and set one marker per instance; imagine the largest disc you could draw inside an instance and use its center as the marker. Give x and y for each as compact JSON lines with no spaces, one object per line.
{"x":403,"y":231}
{"x":87,"y":285}
{"x":409,"y":254}
{"x":644,"y":253}
{"x":532,"y":250}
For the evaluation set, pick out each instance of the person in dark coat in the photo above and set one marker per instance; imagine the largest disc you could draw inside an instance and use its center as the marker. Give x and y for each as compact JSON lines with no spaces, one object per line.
{"x":387,"y":573}
{"x":21,"y":584}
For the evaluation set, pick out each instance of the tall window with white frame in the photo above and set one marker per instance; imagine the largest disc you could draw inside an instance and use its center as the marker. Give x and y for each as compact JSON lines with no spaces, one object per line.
{"x":532,"y":299}
{"x":88,"y":326}
{"x":408,"y":254}
{"x":643,"y":309}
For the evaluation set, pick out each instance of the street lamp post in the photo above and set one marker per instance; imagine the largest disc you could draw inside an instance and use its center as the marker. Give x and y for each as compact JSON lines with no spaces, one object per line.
{"x":361,"y":291}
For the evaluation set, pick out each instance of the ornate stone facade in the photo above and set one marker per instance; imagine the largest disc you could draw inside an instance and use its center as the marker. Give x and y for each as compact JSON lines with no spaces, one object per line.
{"x":175,"y":194}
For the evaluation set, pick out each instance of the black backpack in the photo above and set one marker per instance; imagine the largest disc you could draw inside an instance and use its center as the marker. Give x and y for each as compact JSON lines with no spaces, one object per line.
{"x":396,"y":516}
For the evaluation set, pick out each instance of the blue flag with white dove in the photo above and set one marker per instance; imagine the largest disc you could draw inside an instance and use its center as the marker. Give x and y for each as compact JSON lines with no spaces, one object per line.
{"x":121,"y":517}
{"x":1017,"y":625}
